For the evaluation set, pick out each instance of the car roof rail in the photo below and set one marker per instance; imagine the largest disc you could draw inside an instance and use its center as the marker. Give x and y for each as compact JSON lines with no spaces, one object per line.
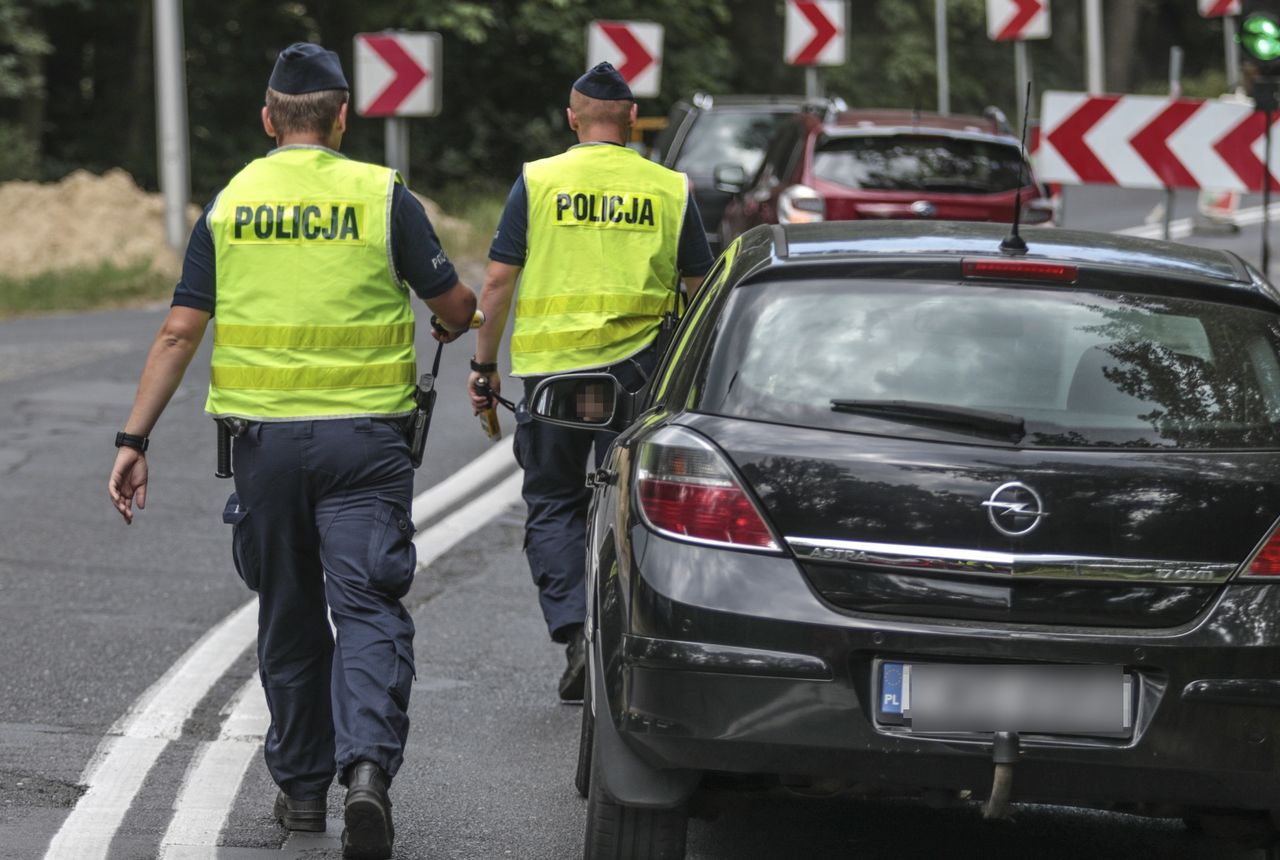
{"x":703,"y":101}
{"x":997,"y":118}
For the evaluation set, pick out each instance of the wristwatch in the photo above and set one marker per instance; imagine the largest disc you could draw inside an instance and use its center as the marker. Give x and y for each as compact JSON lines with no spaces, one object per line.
{"x":128,"y":440}
{"x":489,"y":367}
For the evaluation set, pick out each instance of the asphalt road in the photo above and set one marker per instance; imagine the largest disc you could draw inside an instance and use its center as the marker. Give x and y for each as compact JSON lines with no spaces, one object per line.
{"x":94,"y":614}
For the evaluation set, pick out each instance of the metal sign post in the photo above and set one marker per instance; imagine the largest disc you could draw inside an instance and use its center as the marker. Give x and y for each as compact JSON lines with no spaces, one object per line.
{"x":943,"y":65}
{"x":1094,"y":79}
{"x":1232,"y":52}
{"x":171,"y":120}
{"x":397,"y":75}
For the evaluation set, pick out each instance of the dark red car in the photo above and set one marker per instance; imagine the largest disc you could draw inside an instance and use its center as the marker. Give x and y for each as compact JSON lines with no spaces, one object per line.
{"x":884,"y":164}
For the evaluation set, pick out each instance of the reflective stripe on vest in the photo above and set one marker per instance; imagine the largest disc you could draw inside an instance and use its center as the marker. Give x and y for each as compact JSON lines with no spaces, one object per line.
{"x":604,"y":230}
{"x":310,"y":321}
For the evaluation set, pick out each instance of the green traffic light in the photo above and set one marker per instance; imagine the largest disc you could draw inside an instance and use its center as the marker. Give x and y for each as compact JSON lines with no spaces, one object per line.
{"x":1260,"y":37}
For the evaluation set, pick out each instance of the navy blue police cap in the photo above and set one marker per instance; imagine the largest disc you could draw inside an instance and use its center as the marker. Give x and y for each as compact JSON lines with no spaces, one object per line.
{"x":603,"y":82}
{"x":304,"y":67}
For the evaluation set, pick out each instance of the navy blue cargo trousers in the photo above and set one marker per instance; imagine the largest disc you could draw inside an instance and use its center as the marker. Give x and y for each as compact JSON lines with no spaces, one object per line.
{"x":322,"y":527}
{"x":555,"y":492}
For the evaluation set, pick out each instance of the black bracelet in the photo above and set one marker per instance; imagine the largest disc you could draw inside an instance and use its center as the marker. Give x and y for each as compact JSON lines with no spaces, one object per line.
{"x":128,"y":440}
{"x":491,"y":367}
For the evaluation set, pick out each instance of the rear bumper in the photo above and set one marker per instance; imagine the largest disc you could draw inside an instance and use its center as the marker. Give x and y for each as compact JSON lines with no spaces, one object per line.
{"x":730,"y":662}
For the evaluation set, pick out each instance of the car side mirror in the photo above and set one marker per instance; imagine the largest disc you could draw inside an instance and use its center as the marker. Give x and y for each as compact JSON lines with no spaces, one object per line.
{"x":730,"y":178}
{"x":584,"y":401}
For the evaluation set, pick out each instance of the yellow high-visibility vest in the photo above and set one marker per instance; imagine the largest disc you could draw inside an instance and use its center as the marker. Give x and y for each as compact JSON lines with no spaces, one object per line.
{"x":604,"y":230}
{"x":311,"y":320}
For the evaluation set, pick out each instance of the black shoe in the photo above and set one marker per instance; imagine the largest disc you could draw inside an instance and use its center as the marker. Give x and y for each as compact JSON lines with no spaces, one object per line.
{"x":574,"y":679}
{"x":301,"y":814}
{"x":368,"y":834}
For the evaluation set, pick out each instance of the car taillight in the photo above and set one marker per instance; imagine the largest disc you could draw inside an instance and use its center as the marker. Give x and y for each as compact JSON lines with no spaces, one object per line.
{"x":687,"y":489}
{"x":800,"y":204}
{"x":1019,"y":270}
{"x":1266,"y":561}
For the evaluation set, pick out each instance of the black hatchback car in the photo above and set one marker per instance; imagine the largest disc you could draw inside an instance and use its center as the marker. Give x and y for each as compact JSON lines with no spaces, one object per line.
{"x":902,"y":513}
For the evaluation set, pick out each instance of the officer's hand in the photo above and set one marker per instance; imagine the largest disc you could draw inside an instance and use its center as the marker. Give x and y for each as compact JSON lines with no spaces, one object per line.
{"x":442,"y":334}
{"x":128,"y":482}
{"x":480,"y":402}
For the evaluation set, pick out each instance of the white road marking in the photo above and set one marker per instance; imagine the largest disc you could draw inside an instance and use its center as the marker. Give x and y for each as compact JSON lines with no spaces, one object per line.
{"x":462,"y":483}
{"x":459,"y":525}
{"x":132,"y":745}
{"x":1183,"y":227}
{"x":127,"y":753}
{"x":212,"y":781}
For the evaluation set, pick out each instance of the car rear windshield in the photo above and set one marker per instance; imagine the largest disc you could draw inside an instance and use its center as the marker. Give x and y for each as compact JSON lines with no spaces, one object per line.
{"x":729,"y":137}
{"x":910,"y":162}
{"x":1066,"y":368}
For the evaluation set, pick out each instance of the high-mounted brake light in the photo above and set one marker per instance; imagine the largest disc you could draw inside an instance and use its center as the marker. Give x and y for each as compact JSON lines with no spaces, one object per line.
{"x":686,"y":489}
{"x":1019,"y":270}
{"x":1266,"y":561}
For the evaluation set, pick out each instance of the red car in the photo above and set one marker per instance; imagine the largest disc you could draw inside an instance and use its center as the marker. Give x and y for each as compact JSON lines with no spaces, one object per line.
{"x":884,"y":164}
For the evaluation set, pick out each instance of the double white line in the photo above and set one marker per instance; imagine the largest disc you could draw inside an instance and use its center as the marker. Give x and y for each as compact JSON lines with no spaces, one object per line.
{"x":134,"y":743}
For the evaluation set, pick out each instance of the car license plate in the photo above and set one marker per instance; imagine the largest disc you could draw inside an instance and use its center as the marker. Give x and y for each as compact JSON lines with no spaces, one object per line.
{"x":949,"y":697}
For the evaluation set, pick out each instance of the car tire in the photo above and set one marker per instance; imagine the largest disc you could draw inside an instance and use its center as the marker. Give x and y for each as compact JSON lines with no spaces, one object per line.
{"x":586,"y":740}
{"x":617,"y":832}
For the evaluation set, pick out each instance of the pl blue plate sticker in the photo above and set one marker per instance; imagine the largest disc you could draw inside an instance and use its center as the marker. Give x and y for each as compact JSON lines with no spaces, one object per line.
{"x":891,"y":688}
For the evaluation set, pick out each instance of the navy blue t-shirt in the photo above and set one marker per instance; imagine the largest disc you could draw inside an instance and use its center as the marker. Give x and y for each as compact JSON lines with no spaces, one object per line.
{"x":511,"y":241}
{"x":419,"y":260}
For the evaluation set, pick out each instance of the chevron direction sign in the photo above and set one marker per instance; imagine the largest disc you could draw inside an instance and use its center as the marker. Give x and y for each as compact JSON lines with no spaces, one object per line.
{"x":1015,"y":20}
{"x":815,"y":32}
{"x":1218,"y":8}
{"x":633,"y":47}
{"x":1152,"y":142}
{"x":397,"y":74}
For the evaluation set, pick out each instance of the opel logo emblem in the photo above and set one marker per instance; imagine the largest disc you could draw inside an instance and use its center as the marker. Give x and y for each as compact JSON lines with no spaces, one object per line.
{"x":923,"y":209}
{"x":1015,"y":509}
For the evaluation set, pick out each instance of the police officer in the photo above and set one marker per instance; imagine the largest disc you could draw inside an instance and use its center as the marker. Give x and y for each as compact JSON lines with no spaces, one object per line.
{"x":599,"y":238}
{"x":307,"y":258}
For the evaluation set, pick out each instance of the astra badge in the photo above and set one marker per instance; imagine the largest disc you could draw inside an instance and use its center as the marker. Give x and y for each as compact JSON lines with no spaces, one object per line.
{"x":1015,"y":509}
{"x":923,"y":209}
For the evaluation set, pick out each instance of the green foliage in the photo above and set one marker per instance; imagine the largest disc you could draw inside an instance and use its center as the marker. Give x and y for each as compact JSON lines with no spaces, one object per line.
{"x":81,"y":289}
{"x":78,"y":73}
{"x":18,"y":156}
{"x":20,"y":41}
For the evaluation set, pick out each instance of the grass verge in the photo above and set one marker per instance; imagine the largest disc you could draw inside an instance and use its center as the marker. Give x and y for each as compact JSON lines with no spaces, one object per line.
{"x":83,"y":289}
{"x":472,"y":215}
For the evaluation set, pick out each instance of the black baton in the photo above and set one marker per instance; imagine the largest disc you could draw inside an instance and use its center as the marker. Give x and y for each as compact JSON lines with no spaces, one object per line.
{"x":228,"y":429}
{"x":224,"y":452}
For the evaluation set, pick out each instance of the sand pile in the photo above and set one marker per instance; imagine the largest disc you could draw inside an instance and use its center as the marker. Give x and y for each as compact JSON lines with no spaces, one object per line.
{"x":82,"y":221}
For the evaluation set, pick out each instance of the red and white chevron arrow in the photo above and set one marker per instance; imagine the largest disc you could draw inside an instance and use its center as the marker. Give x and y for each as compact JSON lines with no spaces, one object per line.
{"x":397,"y":74}
{"x":633,"y":47}
{"x":1218,"y":8}
{"x":815,"y":32}
{"x":1010,"y":20}
{"x":1153,"y":142}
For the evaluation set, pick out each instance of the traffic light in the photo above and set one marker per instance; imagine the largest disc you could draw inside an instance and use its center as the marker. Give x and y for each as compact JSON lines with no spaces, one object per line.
{"x":1260,"y":37}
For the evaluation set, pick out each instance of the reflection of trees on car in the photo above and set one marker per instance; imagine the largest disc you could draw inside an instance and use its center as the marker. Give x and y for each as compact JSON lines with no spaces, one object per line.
{"x":1188,"y":398}
{"x":918,"y":163}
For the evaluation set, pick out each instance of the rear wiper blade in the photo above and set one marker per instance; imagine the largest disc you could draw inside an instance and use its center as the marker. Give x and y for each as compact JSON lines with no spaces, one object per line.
{"x":999,"y":424}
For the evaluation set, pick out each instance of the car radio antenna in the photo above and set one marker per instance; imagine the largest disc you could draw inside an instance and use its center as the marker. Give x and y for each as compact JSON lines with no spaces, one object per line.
{"x":1013,"y":243}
